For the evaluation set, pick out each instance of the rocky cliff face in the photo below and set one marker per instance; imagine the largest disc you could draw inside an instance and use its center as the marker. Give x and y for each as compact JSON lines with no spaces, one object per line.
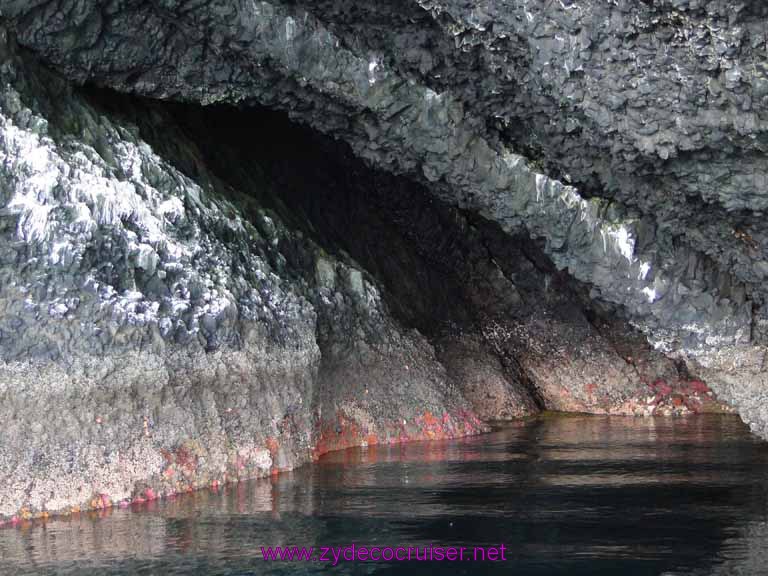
{"x":279,"y":228}
{"x":160,"y":333}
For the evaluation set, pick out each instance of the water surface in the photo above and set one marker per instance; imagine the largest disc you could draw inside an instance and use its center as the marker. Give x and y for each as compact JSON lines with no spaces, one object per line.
{"x":565,"y":495}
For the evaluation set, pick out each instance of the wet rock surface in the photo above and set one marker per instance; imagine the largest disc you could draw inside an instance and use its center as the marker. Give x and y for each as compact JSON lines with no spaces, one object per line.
{"x":156,"y":338}
{"x":486,"y":210}
{"x":484,"y":381}
{"x":497,"y":309}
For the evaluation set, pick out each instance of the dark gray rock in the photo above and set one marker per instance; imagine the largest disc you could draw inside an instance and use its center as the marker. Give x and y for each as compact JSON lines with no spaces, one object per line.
{"x":287,"y":57}
{"x":541,"y":176}
{"x":157,"y":337}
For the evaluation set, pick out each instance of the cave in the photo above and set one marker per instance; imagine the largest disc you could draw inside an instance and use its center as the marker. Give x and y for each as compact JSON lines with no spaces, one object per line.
{"x":248,"y":241}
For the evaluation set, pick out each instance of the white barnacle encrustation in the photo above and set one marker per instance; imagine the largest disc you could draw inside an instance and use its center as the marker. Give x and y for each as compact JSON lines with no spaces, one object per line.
{"x":29,"y":157}
{"x":645,"y":267}
{"x":372,"y":66}
{"x":58,"y":250}
{"x":541,"y":183}
{"x":650,"y":293}
{"x":431,"y":96}
{"x":290,"y":29}
{"x":622,"y":239}
{"x":569,"y":6}
{"x":33,"y":217}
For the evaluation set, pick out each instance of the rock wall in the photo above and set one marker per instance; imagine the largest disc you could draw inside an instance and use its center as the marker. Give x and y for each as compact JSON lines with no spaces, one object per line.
{"x":156,"y":337}
{"x":488,"y":209}
{"x":285,"y":56}
{"x":652,"y":111}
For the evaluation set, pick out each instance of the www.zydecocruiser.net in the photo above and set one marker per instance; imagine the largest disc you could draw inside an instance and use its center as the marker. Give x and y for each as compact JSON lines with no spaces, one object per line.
{"x":356,"y":553}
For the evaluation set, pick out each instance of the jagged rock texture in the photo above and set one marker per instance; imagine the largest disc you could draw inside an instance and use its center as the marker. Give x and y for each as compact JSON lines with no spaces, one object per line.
{"x":563,"y":170}
{"x":634,"y":255}
{"x":157,"y":338}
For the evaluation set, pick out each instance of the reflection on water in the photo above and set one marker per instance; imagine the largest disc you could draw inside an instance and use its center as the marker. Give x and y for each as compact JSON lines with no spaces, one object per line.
{"x":565,"y":495}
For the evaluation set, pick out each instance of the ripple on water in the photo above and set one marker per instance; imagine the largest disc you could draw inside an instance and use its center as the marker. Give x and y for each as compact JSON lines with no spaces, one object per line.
{"x":565,"y":495}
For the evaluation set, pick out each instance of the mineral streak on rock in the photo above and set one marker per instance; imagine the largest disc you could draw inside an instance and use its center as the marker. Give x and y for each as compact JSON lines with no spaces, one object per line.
{"x":530,"y":180}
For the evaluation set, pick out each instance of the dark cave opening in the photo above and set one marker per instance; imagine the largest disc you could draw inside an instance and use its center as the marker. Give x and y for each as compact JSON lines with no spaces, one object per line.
{"x":440,"y":266}
{"x":445,"y":272}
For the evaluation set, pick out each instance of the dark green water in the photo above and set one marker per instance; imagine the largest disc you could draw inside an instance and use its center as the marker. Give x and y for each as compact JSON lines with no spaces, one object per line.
{"x":565,"y":495}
